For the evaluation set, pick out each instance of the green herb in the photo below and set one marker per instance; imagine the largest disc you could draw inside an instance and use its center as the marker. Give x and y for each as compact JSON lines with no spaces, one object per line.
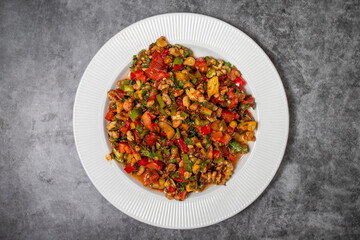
{"x":227,"y":64}
{"x":144,"y":133}
{"x":160,"y":101}
{"x":187,"y":162}
{"x":138,"y":128}
{"x":238,"y":147}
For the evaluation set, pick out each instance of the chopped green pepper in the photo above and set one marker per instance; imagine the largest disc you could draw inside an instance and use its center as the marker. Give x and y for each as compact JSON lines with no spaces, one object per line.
{"x":238,"y":147}
{"x":137,"y":112}
{"x":205,"y":111}
{"x":144,"y":133}
{"x":118,"y":156}
{"x":160,"y":101}
{"x":178,"y":61}
{"x":210,"y":73}
{"x":187,"y":162}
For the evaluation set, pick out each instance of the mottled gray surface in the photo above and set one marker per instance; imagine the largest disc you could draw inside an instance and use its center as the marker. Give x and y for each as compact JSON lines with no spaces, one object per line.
{"x":45,"y":47}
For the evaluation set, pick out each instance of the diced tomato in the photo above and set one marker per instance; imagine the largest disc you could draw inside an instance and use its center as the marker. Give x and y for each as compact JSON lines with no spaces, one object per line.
{"x":233,"y":103}
{"x":157,"y":165}
{"x":239,"y":82}
{"x":217,"y":154}
{"x":132,"y":76}
{"x":144,"y":161}
{"x":177,"y":67}
{"x":157,"y":62}
{"x":126,"y":126}
{"x":129,"y":169}
{"x":232,"y":157}
{"x":164,"y":53}
{"x":124,"y":148}
{"x":147,"y":121}
{"x":229,"y":116}
{"x":201,"y":64}
{"x":181,"y":144}
{"x":150,"y":138}
{"x":109,"y":116}
{"x":171,"y":189}
{"x":220,"y":137}
{"x":182,"y":195}
{"x":120,"y":92}
{"x":225,"y":139}
{"x":248,"y":100}
{"x":204,"y":129}
{"x":210,"y":152}
{"x":138,"y":74}
{"x":230,"y":129}
{"x":156,"y":74}
{"x":225,"y":151}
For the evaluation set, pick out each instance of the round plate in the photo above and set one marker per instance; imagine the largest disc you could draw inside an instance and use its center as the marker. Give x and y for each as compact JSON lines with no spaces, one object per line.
{"x":206,"y":36}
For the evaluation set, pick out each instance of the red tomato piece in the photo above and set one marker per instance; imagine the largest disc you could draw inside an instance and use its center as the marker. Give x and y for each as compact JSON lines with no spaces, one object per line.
{"x":182,"y":195}
{"x":248,"y":100}
{"x":165,"y":52}
{"x":217,"y":154}
{"x":120,"y":92}
{"x":124,"y":148}
{"x":156,"y":74}
{"x":147,"y":121}
{"x":109,"y":116}
{"x":181,"y":144}
{"x":126,"y":126}
{"x":239,"y":82}
{"x":225,"y":151}
{"x":229,"y":116}
{"x":171,"y":189}
{"x":232,"y":157}
{"x":157,"y":165}
{"x":177,"y":67}
{"x":150,"y":138}
{"x":129,"y":169}
{"x":157,"y":62}
{"x":144,"y":161}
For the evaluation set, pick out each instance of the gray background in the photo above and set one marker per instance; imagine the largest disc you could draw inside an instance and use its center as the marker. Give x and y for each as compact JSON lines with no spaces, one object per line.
{"x":45,"y":47}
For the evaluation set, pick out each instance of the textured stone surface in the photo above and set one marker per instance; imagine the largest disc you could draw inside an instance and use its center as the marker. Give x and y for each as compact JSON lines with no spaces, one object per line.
{"x":46,"y":45}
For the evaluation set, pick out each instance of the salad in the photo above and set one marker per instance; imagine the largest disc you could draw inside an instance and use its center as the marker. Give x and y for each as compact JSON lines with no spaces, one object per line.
{"x":178,"y":123}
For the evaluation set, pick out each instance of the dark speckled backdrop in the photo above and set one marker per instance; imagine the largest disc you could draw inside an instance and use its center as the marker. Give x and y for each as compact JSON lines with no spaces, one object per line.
{"x":45,"y":47}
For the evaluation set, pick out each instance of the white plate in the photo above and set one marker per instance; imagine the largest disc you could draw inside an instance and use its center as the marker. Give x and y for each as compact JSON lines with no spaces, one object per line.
{"x":206,"y":36}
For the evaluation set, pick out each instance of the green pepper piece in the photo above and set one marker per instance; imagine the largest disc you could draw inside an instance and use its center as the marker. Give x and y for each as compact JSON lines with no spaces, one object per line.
{"x":210,"y":73}
{"x":178,"y":61}
{"x":160,"y":101}
{"x":135,"y":113}
{"x":206,"y":111}
{"x":238,"y":147}
{"x":144,"y":133}
{"x":118,"y":156}
{"x":187,"y":162}
{"x":128,"y":88}
{"x":227,"y":64}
